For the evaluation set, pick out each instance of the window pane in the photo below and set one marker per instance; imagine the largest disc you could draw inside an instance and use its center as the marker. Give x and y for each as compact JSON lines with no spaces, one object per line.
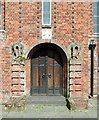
{"x":98,"y":9}
{"x":0,"y":11}
{"x":46,"y":21}
{"x":96,"y":20}
{"x":96,"y":16}
{"x":96,"y":3}
{"x":46,"y":6}
{"x":95,"y":11}
{"x":46,"y":12}
{"x":0,"y":19}
{"x":96,"y":28}
{"x":46,"y":15}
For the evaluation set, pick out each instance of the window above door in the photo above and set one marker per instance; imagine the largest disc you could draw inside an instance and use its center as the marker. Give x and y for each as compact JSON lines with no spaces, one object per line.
{"x":96,"y":17}
{"x":46,"y":12}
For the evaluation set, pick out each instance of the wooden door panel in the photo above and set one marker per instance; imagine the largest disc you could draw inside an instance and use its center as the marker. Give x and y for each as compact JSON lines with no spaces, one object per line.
{"x":42,"y":75}
{"x":35,"y":76}
{"x":54,"y":68}
{"x":57,"y":76}
{"x":50,"y":72}
{"x":50,"y":76}
{"x":47,"y":73}
{"x":57,"y":80}
{"x":50,"y":80}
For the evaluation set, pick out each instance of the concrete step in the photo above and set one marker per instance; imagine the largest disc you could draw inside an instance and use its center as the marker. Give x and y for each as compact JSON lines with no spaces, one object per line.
{"x":51,"y":100}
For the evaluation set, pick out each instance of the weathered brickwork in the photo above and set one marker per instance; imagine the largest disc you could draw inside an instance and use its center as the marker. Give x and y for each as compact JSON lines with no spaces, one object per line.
{"x":5,"y":80}
{"x":72,"y":23}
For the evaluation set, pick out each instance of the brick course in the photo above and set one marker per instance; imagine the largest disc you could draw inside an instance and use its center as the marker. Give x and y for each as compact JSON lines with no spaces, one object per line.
{"x":71,"y":22}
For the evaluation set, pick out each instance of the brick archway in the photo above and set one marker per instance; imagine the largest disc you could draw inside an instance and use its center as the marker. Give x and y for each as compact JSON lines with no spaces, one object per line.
{"x":59,"y":46}
{"x":53,"y":48}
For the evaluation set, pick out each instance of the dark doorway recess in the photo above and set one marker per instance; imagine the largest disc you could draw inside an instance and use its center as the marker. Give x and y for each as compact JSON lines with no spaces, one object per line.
{"x":47,"y":71}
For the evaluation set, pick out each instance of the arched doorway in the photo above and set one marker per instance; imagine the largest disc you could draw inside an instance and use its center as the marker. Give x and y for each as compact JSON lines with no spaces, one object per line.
{"x":47,"y":70}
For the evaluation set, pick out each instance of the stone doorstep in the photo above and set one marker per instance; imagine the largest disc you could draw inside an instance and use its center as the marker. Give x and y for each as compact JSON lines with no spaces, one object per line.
{"x":77,"y":103}
{"x":47,"y":100}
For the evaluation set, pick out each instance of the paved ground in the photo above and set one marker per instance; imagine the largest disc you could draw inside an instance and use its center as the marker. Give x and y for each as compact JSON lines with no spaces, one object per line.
{"x":52,"y":111}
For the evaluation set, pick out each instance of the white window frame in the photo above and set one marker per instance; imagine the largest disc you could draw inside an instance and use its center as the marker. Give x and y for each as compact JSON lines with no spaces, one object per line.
{"x":50,"y":13}
{"x":95,"y":16}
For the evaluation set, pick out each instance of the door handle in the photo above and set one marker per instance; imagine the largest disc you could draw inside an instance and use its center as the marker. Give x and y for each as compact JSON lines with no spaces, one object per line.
{"x":43,"y":75}
{"x":49,"y":75}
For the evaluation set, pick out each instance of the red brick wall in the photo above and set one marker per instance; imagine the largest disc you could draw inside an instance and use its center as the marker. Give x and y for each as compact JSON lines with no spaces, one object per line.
{"x":1,"y":63}
{"x":70,"y":22}
{"x":5,"y":76}
{"x":24,"y":23}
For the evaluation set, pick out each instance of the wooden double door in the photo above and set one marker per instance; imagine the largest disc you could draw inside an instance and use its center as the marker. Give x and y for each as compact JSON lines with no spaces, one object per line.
{"x":46,"y":73}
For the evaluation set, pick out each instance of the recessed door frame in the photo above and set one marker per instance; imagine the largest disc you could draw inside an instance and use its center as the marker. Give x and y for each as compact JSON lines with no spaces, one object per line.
{"x":48,"y":75}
